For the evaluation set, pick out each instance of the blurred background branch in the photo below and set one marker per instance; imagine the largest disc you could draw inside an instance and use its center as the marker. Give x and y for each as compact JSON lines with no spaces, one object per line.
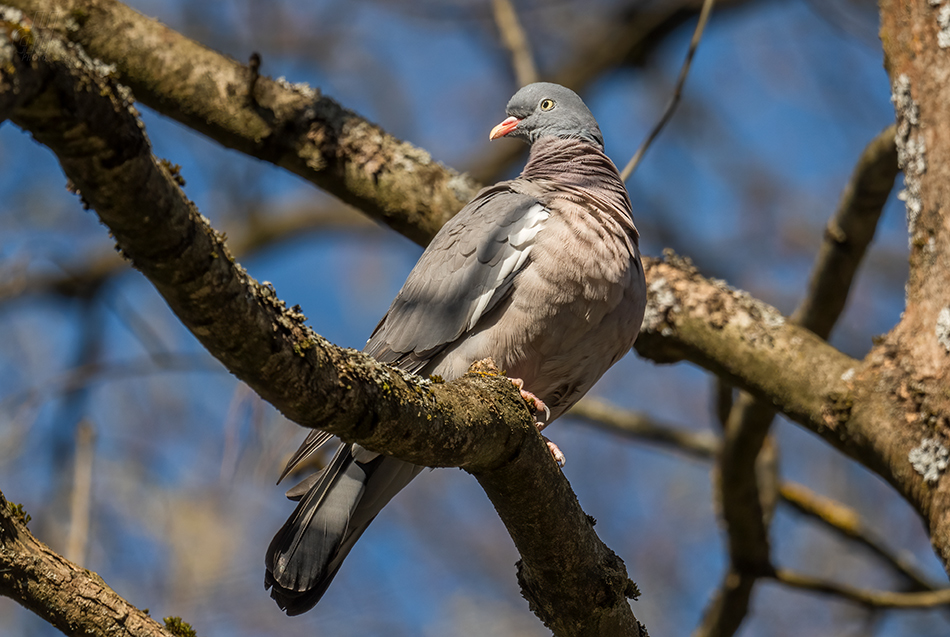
{"x":741,"y":181}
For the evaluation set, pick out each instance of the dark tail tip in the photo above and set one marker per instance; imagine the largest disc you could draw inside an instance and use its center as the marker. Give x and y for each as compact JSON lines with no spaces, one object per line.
{"x":294,"y":602}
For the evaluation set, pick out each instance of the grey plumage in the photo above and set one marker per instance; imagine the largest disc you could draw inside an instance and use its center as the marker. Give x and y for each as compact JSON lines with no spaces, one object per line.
{"x":541,"y":273}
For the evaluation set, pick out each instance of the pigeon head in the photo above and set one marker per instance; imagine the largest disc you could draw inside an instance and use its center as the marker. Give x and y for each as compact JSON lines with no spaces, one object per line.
{"x":548,"y":110}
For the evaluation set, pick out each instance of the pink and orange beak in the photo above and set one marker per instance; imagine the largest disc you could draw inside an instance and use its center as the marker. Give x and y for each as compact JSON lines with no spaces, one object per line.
{"x":504,"y":128}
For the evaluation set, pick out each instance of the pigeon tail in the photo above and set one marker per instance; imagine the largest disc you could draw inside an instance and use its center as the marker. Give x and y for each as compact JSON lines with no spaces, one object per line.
{"x":339,"y":505}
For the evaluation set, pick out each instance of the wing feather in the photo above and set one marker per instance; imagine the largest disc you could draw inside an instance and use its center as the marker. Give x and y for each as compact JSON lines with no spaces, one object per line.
{"x":466,"y":271}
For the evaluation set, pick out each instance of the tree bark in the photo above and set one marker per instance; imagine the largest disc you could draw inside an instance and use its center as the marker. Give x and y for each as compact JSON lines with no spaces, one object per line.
{"x":890,"y":411}
{"x":71,"y":598}
{"x":575,"y":584}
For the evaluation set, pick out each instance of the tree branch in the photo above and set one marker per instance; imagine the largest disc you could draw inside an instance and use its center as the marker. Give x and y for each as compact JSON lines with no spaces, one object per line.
{"x":912,"y":360}
{"x":641,"y":427}
{"x":71,"y":598}
{"x":742,"y":339}
{"x":574,"y":583}
{"x":515,"y":40}
{"x":848,"y":234}
{"x":869,"y":598}
{"x":846,"y":521}
{"x":292,"y":126}
{"x":833,"y":515}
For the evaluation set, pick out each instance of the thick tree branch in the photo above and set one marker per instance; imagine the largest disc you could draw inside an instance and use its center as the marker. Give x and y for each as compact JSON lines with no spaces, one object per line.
{"x":71,"y":598}
{"x":292,"y":126}
{"x":478,"y":422}
{"x":879,"y":411}
{"x":743,"y":340}
{"x":914,"y":358}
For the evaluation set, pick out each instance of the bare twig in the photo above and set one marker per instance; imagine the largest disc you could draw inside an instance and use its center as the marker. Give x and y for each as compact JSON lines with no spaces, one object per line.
{"x":835,"y":516}
{"x":848,"y":234}
{"x":625,"y":39}
{"x":641,"y":427}
{"x":677,"y":91}
{"x":869,"y":598}
{"x":254,"y":74}
{"x":515,"y":40}
{"x":846,"y":521}
{"x":725,"y":398}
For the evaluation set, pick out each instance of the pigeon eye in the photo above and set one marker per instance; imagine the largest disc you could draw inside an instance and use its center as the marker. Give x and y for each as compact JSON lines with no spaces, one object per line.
{"x":547,"y":104}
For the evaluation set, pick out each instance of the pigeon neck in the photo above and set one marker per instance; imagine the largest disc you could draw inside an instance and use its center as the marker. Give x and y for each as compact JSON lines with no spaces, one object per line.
{"x":579,"y":170}
{"x":555,"y":159}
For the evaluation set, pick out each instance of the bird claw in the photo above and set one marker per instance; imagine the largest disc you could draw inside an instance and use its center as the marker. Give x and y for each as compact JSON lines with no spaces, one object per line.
{"x":556,"y":453}
{"x":538,"y":406}
{"x":533,"y":401}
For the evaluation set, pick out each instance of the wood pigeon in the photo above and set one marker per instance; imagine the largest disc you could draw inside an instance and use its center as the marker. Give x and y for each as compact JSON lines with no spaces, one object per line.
{"x":541,"y":273}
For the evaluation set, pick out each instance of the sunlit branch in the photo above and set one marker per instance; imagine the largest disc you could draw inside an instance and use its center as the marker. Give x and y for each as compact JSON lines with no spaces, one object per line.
{"x":80,"y":500}
{"x":73,"y":599}
{"x":835,"y":516}
{"x":845,"y":521}
{"x":848,"y":234}
{"x":869,"y":598}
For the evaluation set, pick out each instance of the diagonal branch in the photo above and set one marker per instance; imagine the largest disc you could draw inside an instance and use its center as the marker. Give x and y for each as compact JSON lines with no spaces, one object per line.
{"x":71,"y":598}
{"x":848,"y":234}
{"x":638,"y":426}
{"x":846,"y":521}
{"x":292,"y":126}
{"x":835,"y":516}
{"x":677,"y":92}
{"x":574,"y":583}
{"x":744,"y":340}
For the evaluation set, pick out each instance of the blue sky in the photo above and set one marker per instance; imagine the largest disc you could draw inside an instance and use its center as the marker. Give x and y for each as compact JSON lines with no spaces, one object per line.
{"x":780,"y":102}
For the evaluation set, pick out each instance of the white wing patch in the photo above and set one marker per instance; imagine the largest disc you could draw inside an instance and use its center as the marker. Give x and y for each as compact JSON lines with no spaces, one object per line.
{"x":520,"y":242}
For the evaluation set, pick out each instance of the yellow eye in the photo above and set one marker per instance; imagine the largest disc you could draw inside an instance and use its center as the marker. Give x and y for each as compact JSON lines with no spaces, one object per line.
{"x":547,"y":104}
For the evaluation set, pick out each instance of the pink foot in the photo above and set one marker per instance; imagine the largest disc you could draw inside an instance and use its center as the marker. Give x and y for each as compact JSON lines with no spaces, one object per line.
{"x":533,"y":401}
{"x":538,"y":406}
{"x":556,"y":453}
